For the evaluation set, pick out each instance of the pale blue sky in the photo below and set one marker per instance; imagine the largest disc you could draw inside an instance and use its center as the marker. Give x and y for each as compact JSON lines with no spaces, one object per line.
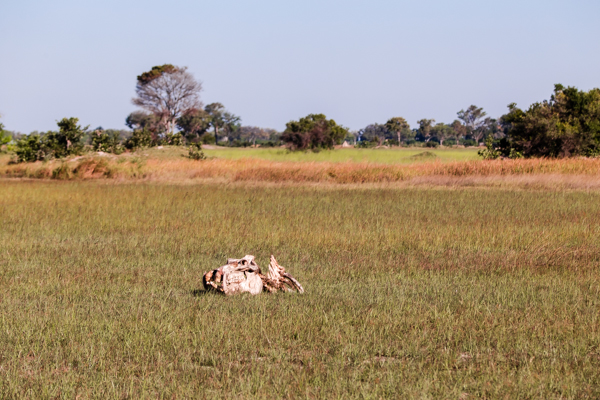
{"x":269,"y":61}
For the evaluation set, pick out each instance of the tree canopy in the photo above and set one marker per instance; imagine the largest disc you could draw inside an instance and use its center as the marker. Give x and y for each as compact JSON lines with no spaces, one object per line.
{"x":52,"y":144}
{"x":399,"y":126}
{"x":254,"y":133}
{"x":194,"y":123}
{"x":313,"y":132}
{"x":167,"y":92}
{"x":376,"y":133}
{"x":566,"y":125}
{"x":221,"y":119}
{"x":4,"y":137}
{"x":424,"y":130}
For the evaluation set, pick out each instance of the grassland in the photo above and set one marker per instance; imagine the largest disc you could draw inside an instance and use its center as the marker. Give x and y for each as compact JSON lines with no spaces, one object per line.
{"x":442,"y":168}
{"x":410,"y":293}
{"x":380,"y":156}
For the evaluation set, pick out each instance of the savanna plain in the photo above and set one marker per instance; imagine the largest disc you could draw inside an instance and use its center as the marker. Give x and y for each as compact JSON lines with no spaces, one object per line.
{"x":433,"y":290}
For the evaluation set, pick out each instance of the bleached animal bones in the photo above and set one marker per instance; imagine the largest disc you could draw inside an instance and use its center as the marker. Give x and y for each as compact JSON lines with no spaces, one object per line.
{"x":241,"y":275}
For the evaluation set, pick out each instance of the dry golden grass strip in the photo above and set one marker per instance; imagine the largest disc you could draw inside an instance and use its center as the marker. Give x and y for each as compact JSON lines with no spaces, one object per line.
{"x":256,"y":170}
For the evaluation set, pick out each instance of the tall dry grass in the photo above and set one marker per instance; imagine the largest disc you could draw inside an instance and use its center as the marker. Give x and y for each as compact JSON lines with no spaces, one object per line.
{"x":257,"y":170}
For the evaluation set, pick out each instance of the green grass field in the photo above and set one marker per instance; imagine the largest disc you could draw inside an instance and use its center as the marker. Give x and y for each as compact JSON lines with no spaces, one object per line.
{"x":383,"y":156}
{"x":412,"y":293}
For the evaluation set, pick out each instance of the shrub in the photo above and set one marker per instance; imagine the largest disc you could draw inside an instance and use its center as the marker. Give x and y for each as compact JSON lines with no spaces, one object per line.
{"x":5,"y":138}
{"x":449,"y":142}
{"x":514,"y":154}
{"x":141,"y":138}
{"x":269,"y":143}
{"x":489,"y":152}
{"x":239,"y":143}
{"x":207,"y":138}
{"x":66,"y":141}
{"x":29,"y":149}
{"x":366,"y":144}
{"x":106,"y":142}
{"x":313,"y":131}
{"x":173,"y":139}
{"x":195,"y":152}
{"x":432,"y":143}
{"x":468,"y":142}
{"x":410,"y":142}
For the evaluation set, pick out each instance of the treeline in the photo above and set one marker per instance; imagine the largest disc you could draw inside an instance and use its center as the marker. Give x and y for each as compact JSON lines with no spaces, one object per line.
{"x":172,"y":114}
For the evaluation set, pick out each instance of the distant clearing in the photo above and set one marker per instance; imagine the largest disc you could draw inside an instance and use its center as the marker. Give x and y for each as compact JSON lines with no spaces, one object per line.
{"x":380,"y":156}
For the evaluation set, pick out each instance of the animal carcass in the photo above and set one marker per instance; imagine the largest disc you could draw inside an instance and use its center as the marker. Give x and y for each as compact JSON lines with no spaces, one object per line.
{"x":241,"y":275}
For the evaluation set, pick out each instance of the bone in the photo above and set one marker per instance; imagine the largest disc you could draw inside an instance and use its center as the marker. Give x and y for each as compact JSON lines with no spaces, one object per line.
{"x":243,"y":275}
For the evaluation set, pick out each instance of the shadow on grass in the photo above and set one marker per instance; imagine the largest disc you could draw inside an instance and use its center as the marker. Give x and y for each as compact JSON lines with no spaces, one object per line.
{"x":200,"y":292}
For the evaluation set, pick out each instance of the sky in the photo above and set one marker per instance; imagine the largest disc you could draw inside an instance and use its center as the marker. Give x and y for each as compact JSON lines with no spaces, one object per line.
{"x":272,"y":61}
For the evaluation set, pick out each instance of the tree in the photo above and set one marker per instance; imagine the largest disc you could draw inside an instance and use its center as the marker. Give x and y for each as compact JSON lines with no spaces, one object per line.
{"x":140,"y":120}
{"x":221,"y":119}
{"x":375,"y":133}
{"x":29,"y":148}
{"x":490,"y":127}
{"x":353,"y":136}
{"x":108,"y":141}
{"x":441,"y":132}
{"x":566,"y":125}
{"x":424,"y":130}
{"x":473,"y":119}
{"x":252,"y":133}
{"x":67,"y":140}
{"x":314,"y":131}
{"x":399,"y":126}
{"x":167,"y":92}
{"x":194,"y":123}
{"x":5,"y":138}
{"x":147,"y":130}
{"x":459,"y":130}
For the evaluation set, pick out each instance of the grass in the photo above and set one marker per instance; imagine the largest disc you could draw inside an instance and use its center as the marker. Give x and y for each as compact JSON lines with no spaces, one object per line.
{"x":380,"y":156}
{"x":168,"y":165}
{"x":427,"y":293}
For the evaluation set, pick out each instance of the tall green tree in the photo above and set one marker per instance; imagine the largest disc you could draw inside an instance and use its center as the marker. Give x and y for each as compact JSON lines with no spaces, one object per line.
{"x":425,"y":126}
{"x":399,"y":126}
{"x":67,"y":140}
{"x":151,"y":124}
{"x":459,"y":130}
{"x":566,"y":125}
{"x":254,"y":133}
{"x":221,"y":119}
{"x":375,"y":133}
{"x":475,"y":120}
{"x":194,"y":123}
{"x":313,"y":132}
{"x":441,"y":131}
